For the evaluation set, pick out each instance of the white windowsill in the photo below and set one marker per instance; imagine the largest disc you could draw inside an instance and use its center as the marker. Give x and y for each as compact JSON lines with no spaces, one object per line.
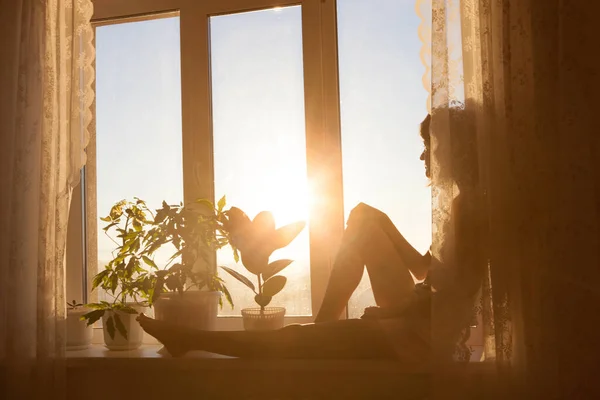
{"x":143,"y":373}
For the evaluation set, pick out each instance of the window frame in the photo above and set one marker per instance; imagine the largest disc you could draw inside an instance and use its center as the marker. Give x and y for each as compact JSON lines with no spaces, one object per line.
{"x":322,"y":121}
{"x":323,"y":135}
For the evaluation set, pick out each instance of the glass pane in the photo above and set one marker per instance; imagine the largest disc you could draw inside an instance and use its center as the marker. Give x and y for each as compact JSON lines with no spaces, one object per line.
{"x":259,"y":136}
{"x":138,"y":118}
{"x":382,"y":104}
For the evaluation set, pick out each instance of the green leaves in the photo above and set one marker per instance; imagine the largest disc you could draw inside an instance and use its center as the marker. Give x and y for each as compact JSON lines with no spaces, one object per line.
{"x":99,"y":278}
{"x":110,"y":327}
{"x":73,"y":305}
{"x":125,"y":308}
{"x":240,"y":278}
{"x":221,"y":204}
{"x":254,"y":241}
{"x":274,"y":285}
{"x":120,"y":326}
{"x":149,"y":262}
{"x":262,"y":300}
{"x":275,"y":267}
{"x":192,"y":233}
{"x":93,"y":316}
{"x":255,"y":262}
{"x":286,"y":234}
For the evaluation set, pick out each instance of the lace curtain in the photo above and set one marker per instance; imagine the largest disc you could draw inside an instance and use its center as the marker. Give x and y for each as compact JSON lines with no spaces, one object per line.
{"x":47,"y":53}
{"x":511,"y":94}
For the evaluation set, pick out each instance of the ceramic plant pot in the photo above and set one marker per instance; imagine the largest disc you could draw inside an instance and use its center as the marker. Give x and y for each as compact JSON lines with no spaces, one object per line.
{"x":134,"y":331}
{"x":79,"y":335}
{"x":195,"y":309}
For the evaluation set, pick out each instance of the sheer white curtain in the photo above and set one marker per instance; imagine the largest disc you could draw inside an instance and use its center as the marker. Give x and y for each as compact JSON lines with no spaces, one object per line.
{"x":46,"y":52}
{"x":520,"y":75}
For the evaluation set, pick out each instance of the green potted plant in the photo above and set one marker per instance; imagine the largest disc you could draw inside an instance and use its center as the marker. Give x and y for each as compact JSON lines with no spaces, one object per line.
{"x":256,"y":240}
{"x":187,"y":290}
{"x":79,"y":334}
{"x":123,"y":278}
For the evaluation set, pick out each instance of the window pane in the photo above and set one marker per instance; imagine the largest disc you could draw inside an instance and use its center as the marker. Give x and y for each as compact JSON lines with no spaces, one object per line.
{"x":382,"y":104}
{"x":138,"y":118}
{"x":259,"y":136}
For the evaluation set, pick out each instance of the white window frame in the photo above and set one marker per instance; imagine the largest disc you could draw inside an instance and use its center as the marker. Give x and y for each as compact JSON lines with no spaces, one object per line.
{"x":322,"y":120}
{"x":323,"y":135}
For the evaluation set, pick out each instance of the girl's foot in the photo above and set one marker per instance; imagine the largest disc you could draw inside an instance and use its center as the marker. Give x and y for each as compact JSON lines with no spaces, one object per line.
{"x":176,"y":340}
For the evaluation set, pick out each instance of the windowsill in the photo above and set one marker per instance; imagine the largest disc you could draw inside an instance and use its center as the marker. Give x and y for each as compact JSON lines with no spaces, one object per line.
{"x":148,"y":354}
{"x":146,"y":351}
{"x":98,"y":353}
{"x":144,"y":373}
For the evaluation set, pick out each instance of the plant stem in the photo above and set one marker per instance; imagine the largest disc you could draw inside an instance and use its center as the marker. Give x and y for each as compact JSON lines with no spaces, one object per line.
{"x":262,"y":308}
{"x":259,"y":284}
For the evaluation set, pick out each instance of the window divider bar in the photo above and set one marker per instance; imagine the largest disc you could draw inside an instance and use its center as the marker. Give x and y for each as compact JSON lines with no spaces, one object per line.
{"x":332,"y":124}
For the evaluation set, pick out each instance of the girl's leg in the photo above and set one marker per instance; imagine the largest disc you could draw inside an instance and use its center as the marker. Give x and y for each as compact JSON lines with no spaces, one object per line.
{"x":350,"y":339}
{"x":367,"y":242}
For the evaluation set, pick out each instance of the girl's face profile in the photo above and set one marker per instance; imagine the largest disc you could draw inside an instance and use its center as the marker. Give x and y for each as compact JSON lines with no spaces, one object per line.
{"x":425,"y":157}
{"x":426,"y":154}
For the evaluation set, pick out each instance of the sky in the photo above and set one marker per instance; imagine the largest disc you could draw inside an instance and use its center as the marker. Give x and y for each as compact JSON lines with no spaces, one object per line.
{"x":258,"y":123}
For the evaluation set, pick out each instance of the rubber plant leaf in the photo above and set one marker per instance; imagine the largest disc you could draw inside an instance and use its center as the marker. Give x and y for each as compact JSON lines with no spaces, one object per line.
{"x":274,"y":285}
{"x":240,"y":278}
{"x":275,"y":267}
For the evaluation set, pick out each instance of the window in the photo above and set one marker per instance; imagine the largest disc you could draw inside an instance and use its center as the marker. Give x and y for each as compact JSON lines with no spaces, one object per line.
{"x":382,"y":104}
{"x":259,"y":139}
{"x":302,"y":107}
{"x":138,"y":118}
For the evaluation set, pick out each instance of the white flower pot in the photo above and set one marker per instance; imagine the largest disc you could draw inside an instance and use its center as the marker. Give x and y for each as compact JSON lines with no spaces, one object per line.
{"x":135,"y":333}
{"x":195,"y":309}
{"x":269,"y":319}
{"x":79,"y":335}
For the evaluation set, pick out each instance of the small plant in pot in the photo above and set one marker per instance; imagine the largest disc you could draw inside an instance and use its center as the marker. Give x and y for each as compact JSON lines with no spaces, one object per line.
{"x":123,"y":278}
{"x":187,"y":290}
{"x":79,"y":334}
{"x":256,"y":240}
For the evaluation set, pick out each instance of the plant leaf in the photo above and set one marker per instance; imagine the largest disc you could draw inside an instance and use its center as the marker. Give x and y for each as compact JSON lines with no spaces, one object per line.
{"x":114,"y":282}
{"x":173,"y":283}
{"x":93,"y":316}
{"x":275,"y":267}
{"x":240,"y":278}
{"x":286,"y":234}
{"x":96,"y":306}
{"x":262,"y":300}
{"x":222,"y":288}
{"x":221,"y":203}
{"x":158,"y":288}
{"x":107,"y":227}
{"x":99,"y":278}
{"x":274,"y":285}
{"x":110,"y":327}
{"x":120,"y":326}
{"x":206,"y":203}
{"x":256,"y":262}
{"x":148,"y":261}
{"x":128,"y":309}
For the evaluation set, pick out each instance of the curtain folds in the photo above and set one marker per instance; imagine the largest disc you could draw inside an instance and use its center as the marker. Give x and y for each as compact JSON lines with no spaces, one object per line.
{"x":47,"y":72}
{"x":511,"y":96}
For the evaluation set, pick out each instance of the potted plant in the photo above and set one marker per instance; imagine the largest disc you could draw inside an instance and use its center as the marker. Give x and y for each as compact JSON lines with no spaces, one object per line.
{"x":256,"y":240}
{"x":79,"y":334}
{"x":124,"y":278}
{"x":187,"y":291}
